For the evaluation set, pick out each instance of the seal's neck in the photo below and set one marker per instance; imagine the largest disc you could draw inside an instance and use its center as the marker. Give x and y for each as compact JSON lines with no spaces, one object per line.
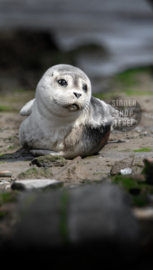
{"x":56,"y":120}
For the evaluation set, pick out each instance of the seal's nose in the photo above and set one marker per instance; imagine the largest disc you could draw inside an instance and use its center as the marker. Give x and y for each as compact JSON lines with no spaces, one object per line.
{"x":77,"y":94}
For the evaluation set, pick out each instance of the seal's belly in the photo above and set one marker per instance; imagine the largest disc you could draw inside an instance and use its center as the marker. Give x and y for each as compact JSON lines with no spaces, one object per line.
{"x":80,"y":140}
{"x":86,"y":140}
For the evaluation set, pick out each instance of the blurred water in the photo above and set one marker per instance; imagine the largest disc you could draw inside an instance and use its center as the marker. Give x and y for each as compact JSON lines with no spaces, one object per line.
{"x":124,"y":28}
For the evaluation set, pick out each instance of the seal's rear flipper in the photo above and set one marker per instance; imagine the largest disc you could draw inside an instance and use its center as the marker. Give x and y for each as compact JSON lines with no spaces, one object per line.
{"x":27,"y":109}
{"x":37,"y":153}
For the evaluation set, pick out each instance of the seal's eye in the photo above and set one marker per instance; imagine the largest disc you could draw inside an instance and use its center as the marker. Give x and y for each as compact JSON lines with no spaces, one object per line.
{"x":62,"y":82}
{"x":84,"y":87}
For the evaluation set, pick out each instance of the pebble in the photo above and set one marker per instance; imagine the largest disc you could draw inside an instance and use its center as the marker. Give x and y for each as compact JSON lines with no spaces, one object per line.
{"x":121,"y":165}
{"x":144,"y":133}
{"x":126,"y":171}
{"x":5,"y":174}
{"x":8,"y":186}
{"x":4,"y":182}
{"x":143,"y":213}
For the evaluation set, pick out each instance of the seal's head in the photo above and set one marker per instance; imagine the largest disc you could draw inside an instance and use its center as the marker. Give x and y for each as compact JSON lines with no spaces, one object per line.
{"x":64,"y":89}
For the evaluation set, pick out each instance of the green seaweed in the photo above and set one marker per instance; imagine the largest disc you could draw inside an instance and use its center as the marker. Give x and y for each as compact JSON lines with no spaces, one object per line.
{"x":125,"y":181}
{"x":4,"y":108}
{"x":50,"y":158}
{"x":48,"y":161}
{"x":132,"y":92}
{"x":129,"y":77}
{"x":5,"y":156}
{"x":127,"y":92}
{"x":137,"y":190}
{"x":10,"y":147}
{"x":63,"y":216}
{"x":127,"y":83}
{"x":140,"y":200}
{"x":91,"y":156}
{"x":7,"y":197}
{"x":147,"y":149}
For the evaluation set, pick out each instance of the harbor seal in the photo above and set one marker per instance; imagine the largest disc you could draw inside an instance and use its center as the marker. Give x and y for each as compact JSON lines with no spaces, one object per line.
{"x":64,"y":119}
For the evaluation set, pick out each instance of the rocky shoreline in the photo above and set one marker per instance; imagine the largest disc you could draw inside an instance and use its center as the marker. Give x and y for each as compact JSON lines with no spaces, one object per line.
{"x":122,"y":169}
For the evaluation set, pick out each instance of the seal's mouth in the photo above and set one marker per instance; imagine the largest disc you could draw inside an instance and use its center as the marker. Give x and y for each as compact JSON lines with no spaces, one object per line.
{"x":73,"y":107}
{"x":70,"y":107}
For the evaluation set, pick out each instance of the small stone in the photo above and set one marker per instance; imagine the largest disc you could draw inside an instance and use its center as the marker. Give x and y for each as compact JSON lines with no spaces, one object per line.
{"x":5,"y":174}
{"x":126,"y":171}
{"x":35,"y":184}
{"x":3,"y":182}
{"x":143,"y":213}
{"x":144,"y":133}
{"x":120,"y":165}
{"x":8,"y":186}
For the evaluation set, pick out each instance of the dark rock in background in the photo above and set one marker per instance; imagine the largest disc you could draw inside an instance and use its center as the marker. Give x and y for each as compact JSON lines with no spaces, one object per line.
{"x":122,"y":29}
{"x":26,"y":54}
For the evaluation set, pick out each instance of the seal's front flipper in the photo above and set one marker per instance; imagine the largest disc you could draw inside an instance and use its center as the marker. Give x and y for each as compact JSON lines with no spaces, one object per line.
{"x":37,"y":153}
{"x":27,"y":109}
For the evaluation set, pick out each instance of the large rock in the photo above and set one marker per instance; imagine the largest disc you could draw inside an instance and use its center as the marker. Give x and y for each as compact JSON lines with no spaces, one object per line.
{"x":134,"y":163}
{"x":38,"y":184}
{"x":86,"y":225}
{"x":35,"y":173}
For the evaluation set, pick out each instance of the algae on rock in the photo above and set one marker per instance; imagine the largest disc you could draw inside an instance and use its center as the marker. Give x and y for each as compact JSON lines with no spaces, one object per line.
{"x":36,"y":173}
{"x":49,"y":161}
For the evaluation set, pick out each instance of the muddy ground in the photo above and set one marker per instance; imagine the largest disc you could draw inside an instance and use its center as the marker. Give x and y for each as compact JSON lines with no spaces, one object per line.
{"x":120,"y":145}
{"x":124,"y":149}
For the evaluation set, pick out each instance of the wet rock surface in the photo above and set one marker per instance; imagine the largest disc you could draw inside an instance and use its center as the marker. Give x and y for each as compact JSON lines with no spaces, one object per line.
{"x":79,"y":177}
{"x":38,"y":184}
{"x":120,"y":165}
{"x":88,"y":219}
{"x":35,"y":173}
{"x":49,"y":161}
